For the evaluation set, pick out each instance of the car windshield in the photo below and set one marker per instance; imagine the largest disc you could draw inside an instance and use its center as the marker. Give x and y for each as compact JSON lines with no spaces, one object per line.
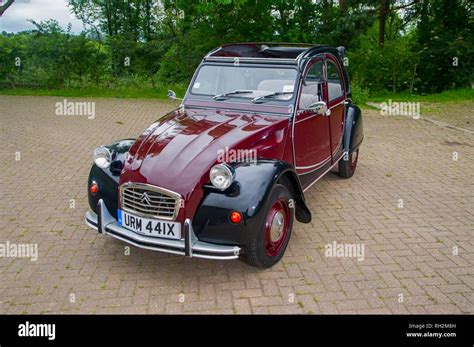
{"x":223,"y":82}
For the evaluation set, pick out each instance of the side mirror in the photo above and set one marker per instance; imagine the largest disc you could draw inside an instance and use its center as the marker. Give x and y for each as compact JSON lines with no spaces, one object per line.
{"x":319,"y":107}
{"x":172,"y":95}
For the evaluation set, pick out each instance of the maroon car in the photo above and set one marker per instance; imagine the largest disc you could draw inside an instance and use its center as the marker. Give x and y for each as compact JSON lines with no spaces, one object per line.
{"x":224,"y":175}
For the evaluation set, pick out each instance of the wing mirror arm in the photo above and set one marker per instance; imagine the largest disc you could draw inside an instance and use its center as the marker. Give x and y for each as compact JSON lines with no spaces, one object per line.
{"x":172,"y":95}
{"x":319,"y":108}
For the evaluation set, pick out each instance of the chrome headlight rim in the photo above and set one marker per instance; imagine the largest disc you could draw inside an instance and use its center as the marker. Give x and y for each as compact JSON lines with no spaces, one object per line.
{"x":227,"y":171}
{"x":102,"y":157}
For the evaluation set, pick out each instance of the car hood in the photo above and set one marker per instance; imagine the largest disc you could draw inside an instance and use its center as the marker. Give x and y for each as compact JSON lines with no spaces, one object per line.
{"x":178,"y":151}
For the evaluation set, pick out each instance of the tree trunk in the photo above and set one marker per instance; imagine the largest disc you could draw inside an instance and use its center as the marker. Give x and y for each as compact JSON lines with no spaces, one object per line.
{"x":412,"y":82}
{"x":394,"y":81}
{"x":343,"y":7}
{"x":108,"y":14}
{"x":384,"y":11}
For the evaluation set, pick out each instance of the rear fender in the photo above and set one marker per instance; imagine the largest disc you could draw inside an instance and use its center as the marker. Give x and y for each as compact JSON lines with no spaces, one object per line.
{"x":353,"y":128}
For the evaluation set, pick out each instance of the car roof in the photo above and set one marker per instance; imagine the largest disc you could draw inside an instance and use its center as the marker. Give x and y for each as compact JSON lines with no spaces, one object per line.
{"x":260,"y":50}
{"x":274,"y":52}
{"x":278,"y":53}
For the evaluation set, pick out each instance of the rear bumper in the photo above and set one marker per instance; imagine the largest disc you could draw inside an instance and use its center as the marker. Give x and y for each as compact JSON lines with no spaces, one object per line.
{"x":190,"y":246}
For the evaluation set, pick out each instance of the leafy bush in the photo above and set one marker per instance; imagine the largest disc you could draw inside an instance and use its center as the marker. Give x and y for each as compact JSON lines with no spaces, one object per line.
{"x":360,"y":95}
{"x":426,"y":48}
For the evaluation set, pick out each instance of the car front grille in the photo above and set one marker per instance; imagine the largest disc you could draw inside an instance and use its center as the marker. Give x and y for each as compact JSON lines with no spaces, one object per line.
{"x":149,"y":201}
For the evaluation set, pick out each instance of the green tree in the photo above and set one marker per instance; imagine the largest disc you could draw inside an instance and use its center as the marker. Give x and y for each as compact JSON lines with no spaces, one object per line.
{"x":445,"y":37}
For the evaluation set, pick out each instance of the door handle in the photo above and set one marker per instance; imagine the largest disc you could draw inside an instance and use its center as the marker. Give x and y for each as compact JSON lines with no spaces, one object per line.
{"x":319,"y":108}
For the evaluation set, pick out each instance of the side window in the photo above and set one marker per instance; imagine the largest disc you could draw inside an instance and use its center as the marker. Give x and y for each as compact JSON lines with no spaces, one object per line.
{"x":312,"y":84}
{"x":315,"y":73}
{"x":335,"y":86}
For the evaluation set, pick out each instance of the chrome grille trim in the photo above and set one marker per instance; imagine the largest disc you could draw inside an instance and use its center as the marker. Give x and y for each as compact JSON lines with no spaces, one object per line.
{"x":164,"y":203}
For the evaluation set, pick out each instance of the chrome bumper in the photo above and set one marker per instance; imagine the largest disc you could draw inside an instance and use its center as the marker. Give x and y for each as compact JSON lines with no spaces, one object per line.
{"x":190,"y":246}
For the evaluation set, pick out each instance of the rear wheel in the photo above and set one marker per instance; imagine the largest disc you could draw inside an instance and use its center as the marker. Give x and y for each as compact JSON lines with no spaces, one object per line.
{"x":348,"y":163}
{"x":268,"y":244}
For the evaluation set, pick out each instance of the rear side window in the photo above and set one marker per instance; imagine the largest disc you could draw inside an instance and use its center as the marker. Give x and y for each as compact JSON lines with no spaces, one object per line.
{"x":335,"y":86}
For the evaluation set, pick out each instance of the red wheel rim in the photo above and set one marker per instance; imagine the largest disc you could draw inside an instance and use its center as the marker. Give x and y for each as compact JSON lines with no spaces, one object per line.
{"x":354,"y":157}
{"x":276,"y":227}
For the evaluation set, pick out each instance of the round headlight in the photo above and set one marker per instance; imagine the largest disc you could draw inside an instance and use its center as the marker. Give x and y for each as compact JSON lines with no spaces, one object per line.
{"x":222,"y":176}
{"x":102,"y":157}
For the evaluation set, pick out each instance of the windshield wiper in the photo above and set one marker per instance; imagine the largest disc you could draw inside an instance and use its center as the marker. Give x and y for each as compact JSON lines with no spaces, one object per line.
{"x":260,"y":99}
{"x":235,"y":92}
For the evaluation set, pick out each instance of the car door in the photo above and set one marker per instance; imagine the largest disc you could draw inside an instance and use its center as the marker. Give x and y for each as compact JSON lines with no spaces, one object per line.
{"x":336,"y":98}
{"x":311,"y":135}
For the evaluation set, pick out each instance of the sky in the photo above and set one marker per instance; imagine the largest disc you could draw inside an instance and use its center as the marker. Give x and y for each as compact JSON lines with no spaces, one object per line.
{"x":15,"y":17}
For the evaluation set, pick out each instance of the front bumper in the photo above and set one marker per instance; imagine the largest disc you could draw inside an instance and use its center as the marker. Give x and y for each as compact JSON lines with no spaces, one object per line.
{"x":190,"y":246}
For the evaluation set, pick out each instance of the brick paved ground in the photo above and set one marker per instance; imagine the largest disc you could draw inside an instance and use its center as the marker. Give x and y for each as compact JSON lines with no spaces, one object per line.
{"x":408,"y":250}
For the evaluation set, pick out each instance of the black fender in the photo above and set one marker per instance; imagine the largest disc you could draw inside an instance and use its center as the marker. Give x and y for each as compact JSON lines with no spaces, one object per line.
{"x":353,"y":128}
{"x":108,"y":179}
{"x":248,"y":195}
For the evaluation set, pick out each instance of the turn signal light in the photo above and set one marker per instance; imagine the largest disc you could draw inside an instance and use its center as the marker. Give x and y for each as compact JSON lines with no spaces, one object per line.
{"x":94,"y":188}
{"x":235,"y":217}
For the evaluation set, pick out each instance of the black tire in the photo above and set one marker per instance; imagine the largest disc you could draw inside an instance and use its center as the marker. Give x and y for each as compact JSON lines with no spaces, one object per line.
{"x":258,"y":251}
{"x":348,"y":164}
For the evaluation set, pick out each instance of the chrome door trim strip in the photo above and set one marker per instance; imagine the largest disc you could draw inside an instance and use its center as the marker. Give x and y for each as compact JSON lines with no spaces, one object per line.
{"x":338,"y":145}
{"x":315,"y":165}
{"x":315,"y":115}
{"x":312,"y":116}
{"x":341,"y":102}
{"x":324,"y":173}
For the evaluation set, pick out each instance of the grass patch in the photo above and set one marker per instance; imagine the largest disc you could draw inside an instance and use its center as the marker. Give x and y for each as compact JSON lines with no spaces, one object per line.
{"x":128,"y":92}
{"x":455,"y":95}
{"x":360,"y":96}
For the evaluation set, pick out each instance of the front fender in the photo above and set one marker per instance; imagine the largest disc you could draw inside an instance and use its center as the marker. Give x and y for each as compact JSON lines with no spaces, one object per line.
{"x":249,"y":196}
{"x":107,"y":180}
{"x":353,"y":128}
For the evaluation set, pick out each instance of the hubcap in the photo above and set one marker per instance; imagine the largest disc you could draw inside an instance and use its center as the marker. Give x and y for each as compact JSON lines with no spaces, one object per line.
{"x":278,"y":223}
{"x":276,"y":227}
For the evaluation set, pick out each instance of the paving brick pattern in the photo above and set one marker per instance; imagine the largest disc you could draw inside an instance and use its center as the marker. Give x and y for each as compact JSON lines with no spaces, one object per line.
{"x":410,"y":266}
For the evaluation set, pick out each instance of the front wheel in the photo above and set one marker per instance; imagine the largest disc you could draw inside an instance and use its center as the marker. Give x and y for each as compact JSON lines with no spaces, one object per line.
{"x":268,"y":244}
{"x":348,"y":163}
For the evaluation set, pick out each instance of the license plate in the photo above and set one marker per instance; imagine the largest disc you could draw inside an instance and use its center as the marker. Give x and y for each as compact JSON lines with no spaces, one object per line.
{"x":149,"y":227}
